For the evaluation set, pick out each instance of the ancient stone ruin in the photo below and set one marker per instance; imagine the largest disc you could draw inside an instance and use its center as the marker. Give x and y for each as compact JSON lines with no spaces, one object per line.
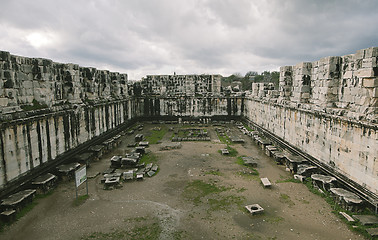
{"x":324,"y":111}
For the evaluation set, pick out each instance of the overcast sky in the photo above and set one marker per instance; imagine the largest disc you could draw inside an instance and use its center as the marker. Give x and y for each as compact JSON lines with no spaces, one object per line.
{"x":141,"y":37}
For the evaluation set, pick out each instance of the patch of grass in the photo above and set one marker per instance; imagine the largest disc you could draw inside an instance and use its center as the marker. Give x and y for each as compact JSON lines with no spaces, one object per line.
{"x":274,"y":220}
{"x":157,"y":135}
{"x":197,"y":189}
{"x":356,"y":227}
{"x":214,"y":172}
{"x":26,"y":209}
{"x":241,"y":190}
{"x":232,"y":152}
{"x":225,"y":202}
{"x":149,"y":158}
{"x":252,"y":173}
{"x":247,"y":127}
{"x":150,"y":231}
{"x":286,"y":199}
{"x":225,"y":139}
{"x":249,"y":174}
{"x":80,"y":200}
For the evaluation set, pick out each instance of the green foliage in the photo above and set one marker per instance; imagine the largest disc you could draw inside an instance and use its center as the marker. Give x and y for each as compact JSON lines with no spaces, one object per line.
{"x":356,"y":226}
{"x":286,"y":199}
{"x":251,"y":77}
{"x":35,"y":106}
{"x":80,"y":200}
{"x":224,"y":202}
{"x":148,"y":158}
{"x":150,"y":231}
{"x":157,"y":135}
{"x":274,"y":220}
{"x":26,"y":209}
{"x":198,"y":189}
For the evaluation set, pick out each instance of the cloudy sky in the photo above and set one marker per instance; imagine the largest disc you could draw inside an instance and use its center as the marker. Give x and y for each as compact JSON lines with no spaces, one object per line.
{"x":141,"y":37}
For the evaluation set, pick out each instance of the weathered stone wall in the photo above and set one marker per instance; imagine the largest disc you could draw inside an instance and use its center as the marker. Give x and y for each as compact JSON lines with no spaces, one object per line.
{"x":347,"y":84}
{"x":188,"y":85}
{"x":29,"y":142}
{"x":189,"y":106}
{"x":327,"y":109}
{"x":27,"y":81}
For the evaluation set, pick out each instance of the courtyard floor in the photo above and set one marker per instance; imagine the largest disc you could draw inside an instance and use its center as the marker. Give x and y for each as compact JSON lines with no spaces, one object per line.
{"x":197,"y":194}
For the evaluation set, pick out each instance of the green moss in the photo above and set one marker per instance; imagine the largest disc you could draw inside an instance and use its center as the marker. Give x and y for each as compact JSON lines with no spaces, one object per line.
{"x":148,"y":158}
{"x":198,"y":189}
{"x":157,"y":135}
{"x":80,"y":200}
{"x":35,"y":106}
{"x":356,"y":226}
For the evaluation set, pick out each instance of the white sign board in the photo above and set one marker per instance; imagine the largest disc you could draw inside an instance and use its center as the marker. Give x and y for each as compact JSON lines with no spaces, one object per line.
{"x":80,"y":175}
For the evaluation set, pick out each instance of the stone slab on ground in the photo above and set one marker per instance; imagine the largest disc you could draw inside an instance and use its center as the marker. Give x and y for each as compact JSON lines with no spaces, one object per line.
{"x":367,"y":219}
{"x":347,"y":217}
{"x":372,"y":232}
{"x":266,"y":182}
{"x":254,"y":209}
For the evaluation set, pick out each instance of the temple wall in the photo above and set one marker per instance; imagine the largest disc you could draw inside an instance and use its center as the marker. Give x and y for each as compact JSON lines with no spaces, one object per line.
{"x":327,"y":109}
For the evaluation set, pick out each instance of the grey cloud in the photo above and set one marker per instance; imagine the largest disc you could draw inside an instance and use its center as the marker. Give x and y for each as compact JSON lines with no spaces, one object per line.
{"x":198,"y":36}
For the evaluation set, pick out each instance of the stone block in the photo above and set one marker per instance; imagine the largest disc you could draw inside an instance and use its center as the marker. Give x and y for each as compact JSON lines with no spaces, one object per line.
{"x":370,"y":62}
{"x":370,"y":82}
{"x":3,"y":102}
{"x":370,"y":52}
{"x":305,"y":89}
{"x":375,"y":93}
{"x":365,"y":72}
{"x":305,"y":95}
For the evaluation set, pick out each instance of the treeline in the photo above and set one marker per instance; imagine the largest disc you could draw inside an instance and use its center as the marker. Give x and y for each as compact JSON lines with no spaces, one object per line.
{"x":249,"y":78}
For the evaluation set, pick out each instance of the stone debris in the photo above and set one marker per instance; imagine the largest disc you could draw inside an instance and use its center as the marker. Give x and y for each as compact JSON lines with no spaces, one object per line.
{"x":155,"y":167}
{"x":347,"y":199}
{"x":292,"y":162}
{"x":140,"y":149}
{"x":18,"y":200}
{"x":323,"y":181}
{"x":44,"y":183}
{"x":143,"y":144}
{"x":347,"y":217}
{"x":8,"y":216}
{"x":367,"y":219}
{"x":269,"y":149}
{"x":128,"y":175}
{"x":278,"y":157}
{"x":266,"y":183}
{"x":170,"y":146}
{"x":299,"y":177}
{"x":306,"y":170}
{"x":254,"y":209}
{"x":97,"y":149}
{"x":138,"y":137}
{"x":372,"y":231}
{"x":225,"y":151}
{"x":67,"y":171}
{"x":249,"y":161}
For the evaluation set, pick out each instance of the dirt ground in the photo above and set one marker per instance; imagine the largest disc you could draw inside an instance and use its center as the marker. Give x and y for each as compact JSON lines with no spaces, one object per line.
{"x":197,"y":194}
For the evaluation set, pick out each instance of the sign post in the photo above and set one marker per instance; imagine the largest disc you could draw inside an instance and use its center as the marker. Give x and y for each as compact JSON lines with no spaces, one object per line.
{"x":81,"y":177}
